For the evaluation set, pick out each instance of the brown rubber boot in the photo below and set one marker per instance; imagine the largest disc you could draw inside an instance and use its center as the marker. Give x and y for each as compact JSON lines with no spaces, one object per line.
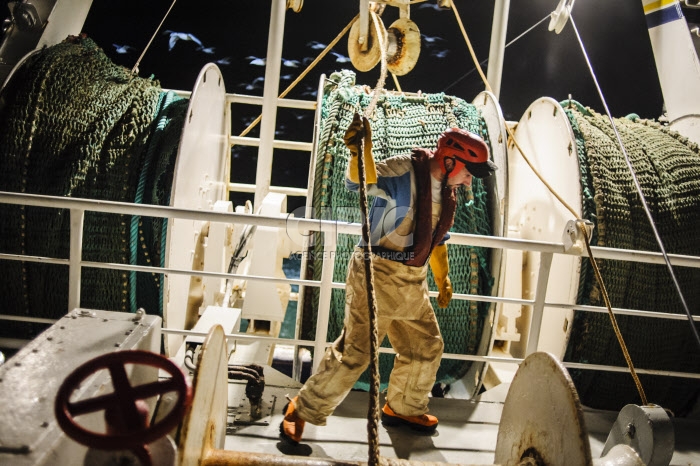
{"x":292,"y":426}
{"x":423,"y":423}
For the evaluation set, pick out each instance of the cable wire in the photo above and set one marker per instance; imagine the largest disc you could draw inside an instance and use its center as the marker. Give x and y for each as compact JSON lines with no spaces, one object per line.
{"x":135,"y":69}
{"x":483,"y":62}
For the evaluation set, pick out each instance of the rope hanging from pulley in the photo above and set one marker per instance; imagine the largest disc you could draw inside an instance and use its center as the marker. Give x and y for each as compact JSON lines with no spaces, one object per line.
{"x":373,"y":408}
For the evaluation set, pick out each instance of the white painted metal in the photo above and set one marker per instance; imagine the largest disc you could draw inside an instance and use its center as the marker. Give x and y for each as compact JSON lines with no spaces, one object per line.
{"x":267,"y":301}
{"x":306,"y":234}
{"x":364,"y":25}
{"x":228,"y":318}
{"x":301,"y":224}
{"x":497,"y":187}
{"x":537,"y":316}
{"x":560,"y":16}
{"x":67,"y":17}
{"x":77,"y":218}
{"x":200,"y":180}
{"x":677,"y":66}
{"x":688,"y":126}
{"x":258,"y":142}
{"x":250,"y":188}
{"x":273,"y":64}
{"x":217,"y":255}
{"x":29,"y":433}
{"x":324,"y":300}
{"x":55,"y":21}
{"x":546,"y":137}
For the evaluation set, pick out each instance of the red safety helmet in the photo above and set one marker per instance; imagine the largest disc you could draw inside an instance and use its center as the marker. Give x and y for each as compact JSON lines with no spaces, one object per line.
{"x":466,"y":150}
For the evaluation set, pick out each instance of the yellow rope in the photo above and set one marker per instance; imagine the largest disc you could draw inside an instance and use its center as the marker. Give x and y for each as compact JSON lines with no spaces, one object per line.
{"x":598,"y":276}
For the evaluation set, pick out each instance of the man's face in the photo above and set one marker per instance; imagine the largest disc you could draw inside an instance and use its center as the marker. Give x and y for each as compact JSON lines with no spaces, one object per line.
{"x":463,"y":177}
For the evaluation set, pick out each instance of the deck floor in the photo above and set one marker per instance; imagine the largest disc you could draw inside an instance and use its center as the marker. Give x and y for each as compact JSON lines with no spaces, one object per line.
{"x":466,"y":435}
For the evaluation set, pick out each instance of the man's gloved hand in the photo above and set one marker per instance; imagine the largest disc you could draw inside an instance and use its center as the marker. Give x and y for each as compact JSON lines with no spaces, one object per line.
{"x":441,"y":267}
{"x":445,"y":294}
{"x":359,"y":129}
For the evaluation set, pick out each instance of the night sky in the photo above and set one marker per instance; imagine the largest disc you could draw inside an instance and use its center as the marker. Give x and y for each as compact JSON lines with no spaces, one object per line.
{"x":539,"y":64}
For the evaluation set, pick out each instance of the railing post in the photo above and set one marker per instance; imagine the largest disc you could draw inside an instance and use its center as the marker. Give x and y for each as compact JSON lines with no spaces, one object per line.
{"x":538,"y":306}
{"x":324,"y":298}
{"x":77,"y":218}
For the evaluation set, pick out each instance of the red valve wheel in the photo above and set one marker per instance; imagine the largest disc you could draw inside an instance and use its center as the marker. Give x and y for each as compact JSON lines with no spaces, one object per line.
{"x":125,"y":399}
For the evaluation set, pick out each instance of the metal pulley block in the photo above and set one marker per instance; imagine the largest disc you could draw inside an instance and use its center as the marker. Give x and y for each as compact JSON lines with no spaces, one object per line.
{"x":560,"y":15}
{"x":573,"y":238}
{"x":648,"y":430}
{"x":295,"y":5}
{"x":25,"y":16}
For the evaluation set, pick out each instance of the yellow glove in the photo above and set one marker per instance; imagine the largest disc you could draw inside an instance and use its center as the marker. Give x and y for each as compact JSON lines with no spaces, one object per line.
{"x":358,"y":129}
{"x":441,"y":267}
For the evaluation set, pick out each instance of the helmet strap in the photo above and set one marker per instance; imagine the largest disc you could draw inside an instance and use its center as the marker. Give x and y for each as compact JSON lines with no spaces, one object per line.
{"x":448,"y":167}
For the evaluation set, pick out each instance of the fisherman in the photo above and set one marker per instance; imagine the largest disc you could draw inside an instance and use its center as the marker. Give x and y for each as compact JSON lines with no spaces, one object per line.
{"x":410,"y":218}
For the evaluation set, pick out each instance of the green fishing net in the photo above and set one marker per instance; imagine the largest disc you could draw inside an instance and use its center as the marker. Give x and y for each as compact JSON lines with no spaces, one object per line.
{"x":74,"y":124}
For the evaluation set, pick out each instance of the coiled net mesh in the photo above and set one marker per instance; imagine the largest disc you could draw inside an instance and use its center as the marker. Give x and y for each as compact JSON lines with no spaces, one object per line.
{"x":668,"y":169}
{"x":74,"y":124}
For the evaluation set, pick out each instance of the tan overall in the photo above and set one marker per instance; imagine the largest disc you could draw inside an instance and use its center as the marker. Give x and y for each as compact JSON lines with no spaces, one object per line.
{"x":405,"y":315}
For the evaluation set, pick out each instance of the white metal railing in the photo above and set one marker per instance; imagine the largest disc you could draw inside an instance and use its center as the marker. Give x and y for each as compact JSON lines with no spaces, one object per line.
{"x":78,"y":207}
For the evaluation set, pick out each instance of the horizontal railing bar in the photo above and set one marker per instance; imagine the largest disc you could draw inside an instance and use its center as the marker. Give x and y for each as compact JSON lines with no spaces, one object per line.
{"x":38,"y":259}
{"x":36,"y":320}
{"x":250,"y":188}
{"x":232,"y":98}
{"x":146,"y":210}
{"x":284,"y":103}
{"x":620,"y":311}
{"x":328,"y":226}
{"x":197,"y":273}
{"x":276,"y":144}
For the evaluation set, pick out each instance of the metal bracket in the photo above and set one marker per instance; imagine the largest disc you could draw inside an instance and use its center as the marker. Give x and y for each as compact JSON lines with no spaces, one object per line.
{"x":573,"y":238}
{"x":240,"y":415}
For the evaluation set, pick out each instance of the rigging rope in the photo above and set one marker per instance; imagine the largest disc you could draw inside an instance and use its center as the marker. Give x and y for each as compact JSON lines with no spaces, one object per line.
{"x":511,"y":136}
{"x":373,"y":408}
{"x":483,"y":62}
{"x":613,"y":320}
{"x":135,"y":69}
{"x":303,"y":74}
